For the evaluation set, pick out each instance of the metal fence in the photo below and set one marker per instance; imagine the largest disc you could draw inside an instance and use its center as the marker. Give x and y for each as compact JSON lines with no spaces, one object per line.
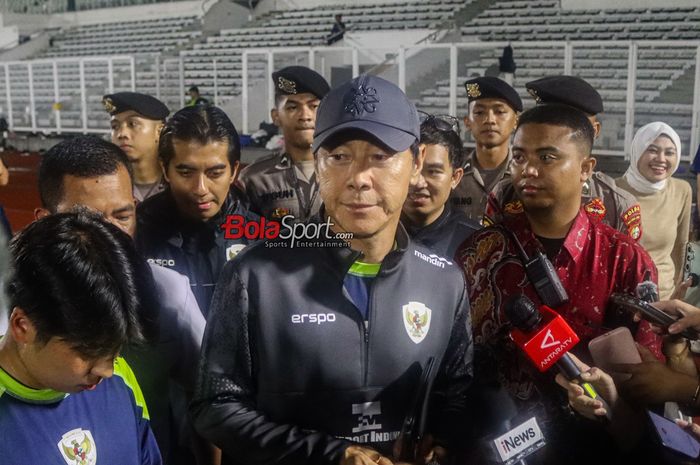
{"x":640,"y":81}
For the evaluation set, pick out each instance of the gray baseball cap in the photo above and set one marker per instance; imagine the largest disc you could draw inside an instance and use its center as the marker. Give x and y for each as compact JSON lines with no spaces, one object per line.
{"x":370,"y":104}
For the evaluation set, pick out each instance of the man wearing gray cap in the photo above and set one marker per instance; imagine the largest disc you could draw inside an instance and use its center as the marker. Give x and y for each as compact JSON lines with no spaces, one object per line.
{"x":323,"y":366}
{"x":284,"y":183}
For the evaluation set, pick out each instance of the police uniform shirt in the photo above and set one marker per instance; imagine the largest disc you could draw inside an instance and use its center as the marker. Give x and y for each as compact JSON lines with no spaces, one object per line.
{"x":615,"y":206}
{"x":472,"y":192}
{"x":276,"y":187}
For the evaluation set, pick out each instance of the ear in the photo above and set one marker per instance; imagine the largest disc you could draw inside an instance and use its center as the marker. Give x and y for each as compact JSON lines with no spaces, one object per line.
{"x":457,"y":175}
{"x":164,"y":169}
{"x":234,"y":171}
{"x":274,"y":114}
{"x":587,"y":167}
{"x":40,"y":213}
{"x":467,"y":123}
{"x":159,"y":127}
{"x":596,"y":129}
{"x":20,"y":326}
{"x":418,"y":163}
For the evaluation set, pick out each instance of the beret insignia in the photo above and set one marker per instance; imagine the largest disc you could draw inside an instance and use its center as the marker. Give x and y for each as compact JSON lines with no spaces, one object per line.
{"x":473,"y":90}
{"x":109,"y":105}
{"x":286,"y":85}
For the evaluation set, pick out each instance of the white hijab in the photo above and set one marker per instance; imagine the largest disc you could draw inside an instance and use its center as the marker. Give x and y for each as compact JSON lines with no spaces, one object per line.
{"x":644,"y":137}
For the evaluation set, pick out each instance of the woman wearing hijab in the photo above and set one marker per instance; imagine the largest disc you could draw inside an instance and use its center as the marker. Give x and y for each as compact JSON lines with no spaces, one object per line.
{"x":665,"y":201}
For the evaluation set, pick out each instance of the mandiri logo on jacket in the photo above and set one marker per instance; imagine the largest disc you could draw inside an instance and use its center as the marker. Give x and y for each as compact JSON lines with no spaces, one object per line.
{"x":416,"y":320}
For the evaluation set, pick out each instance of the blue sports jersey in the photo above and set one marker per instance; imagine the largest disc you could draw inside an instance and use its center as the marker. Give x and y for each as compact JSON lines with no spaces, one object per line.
{"x":108,"y":425}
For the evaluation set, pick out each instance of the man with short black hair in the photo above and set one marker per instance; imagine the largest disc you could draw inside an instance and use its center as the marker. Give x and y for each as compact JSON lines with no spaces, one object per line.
{"x":79,"y":293}
{"x":136,"y":120}
{"x":427,"y":215}
{"x":600,"y":196}
{"x":195,"y":98}
{"x":92,"y":173}
{"x":361,"y":321}
{"x":284,"y":183}
{"x":492,"y":115}
{"x":551,"y":161}
{"x":180,"y":228}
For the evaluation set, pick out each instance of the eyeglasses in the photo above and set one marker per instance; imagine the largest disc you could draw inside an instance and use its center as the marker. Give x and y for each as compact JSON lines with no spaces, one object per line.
{"x":439,"y":122}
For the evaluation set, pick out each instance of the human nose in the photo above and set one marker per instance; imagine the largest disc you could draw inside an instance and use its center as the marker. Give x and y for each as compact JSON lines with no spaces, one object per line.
{"x":360,"y":177}
{"x":103,"y":369}
{"x":200,"y":187}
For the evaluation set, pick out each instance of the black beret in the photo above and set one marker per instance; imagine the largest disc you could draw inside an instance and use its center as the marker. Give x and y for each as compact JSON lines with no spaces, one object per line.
{"x":492,"y":87}
{"x":145,"y":105}
{"x":568,"y":90}
{"x":298,"y":80}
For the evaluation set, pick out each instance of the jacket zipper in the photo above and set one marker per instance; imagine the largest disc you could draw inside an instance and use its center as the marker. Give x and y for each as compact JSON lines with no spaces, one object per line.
{"x":367,"y":326}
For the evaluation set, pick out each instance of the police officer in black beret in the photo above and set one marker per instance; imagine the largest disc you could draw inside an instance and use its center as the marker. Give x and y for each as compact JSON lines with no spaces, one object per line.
{"x":493,"y":108}
{"x":601,"y":197}
{"x":136,"y":120}
{"x":284,"y":183}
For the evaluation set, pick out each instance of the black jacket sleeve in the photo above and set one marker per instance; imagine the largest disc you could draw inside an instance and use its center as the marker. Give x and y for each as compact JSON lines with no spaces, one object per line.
{"x":448,"y":418}
{"x":224,"y":408}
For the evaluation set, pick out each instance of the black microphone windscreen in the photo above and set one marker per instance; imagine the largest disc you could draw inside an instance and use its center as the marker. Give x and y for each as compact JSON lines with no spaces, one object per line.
{"x":522,"y":313}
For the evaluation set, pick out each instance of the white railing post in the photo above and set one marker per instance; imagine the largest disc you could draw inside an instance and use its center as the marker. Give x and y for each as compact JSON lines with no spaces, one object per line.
{"x":181,"y":70}
{"x":568,"y":58}
{"x":56,"y":98}
{"x":8,"y":96}
{"x":132,"y":66}
{"x":452,"y":110}
{"x":110,"y":75}
{"x":244,"y":92}
{"x":402,"y":69}
{"x":630,"y":102}
{"x":32,"y":103}
{"x":216,"y":84}
{"x":83,"y":97}
{"x":268,"y":79}
{"x":355,"y":63}
{"x":158,"y":76}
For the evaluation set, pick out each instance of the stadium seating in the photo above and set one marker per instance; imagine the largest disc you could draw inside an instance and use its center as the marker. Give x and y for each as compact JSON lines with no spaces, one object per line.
{"x":660,"y":69}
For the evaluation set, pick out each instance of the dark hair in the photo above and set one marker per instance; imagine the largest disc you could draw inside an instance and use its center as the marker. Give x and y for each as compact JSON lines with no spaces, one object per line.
{"x":431,"y":135}
{"x":80,"y":279}
{"x":82,"y":157}
{"x":194,"y":89}
{"x":202,"y":124}
{"x":557,"y":114}
{"x":358,"y":134}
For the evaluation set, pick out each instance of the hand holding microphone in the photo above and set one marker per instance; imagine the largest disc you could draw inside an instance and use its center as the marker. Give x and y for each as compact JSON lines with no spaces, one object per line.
{"x":580,"y":400}
{"x":546,"y":339}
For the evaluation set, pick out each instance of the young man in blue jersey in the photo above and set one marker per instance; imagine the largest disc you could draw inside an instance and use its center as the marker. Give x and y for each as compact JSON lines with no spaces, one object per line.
{"x":79,"y":292}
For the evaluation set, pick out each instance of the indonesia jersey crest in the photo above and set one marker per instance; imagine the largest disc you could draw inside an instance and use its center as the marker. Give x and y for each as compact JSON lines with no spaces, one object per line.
{"x":416,"y":320}
{"x":78,"y":447}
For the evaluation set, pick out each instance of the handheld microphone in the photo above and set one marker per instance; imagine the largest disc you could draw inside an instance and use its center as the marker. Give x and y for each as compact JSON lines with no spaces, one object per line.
{"x":546,"y":338}
{"x":647,"y":290}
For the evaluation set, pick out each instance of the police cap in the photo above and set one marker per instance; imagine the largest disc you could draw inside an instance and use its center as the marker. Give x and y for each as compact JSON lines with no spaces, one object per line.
{"x":145,"y":105}
{"x":492,"y":87}
{"x":569,"y":90}
{"x":299,"y":80}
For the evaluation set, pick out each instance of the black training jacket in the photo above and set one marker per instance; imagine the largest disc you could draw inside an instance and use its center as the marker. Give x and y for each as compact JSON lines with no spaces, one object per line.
{"x":290,"y":373}
{"x":197,"y":250}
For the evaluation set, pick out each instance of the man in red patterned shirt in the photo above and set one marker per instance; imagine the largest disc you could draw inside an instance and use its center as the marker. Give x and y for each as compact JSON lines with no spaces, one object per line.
{"x":551,"y":161}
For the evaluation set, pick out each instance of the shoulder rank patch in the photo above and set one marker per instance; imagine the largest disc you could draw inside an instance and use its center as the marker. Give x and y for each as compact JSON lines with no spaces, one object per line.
{"x":632,"y":217}
{"x":595,"y":208}
{"x":513,"y":208}
{"x":280,"y":212}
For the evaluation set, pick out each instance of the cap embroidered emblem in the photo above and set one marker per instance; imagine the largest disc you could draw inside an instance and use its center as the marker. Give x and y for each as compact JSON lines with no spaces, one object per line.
{"x":473,"y":90}
{"x":533,"y":92}
{"x":360,"y":100}
{"x":285,"y":85}
{"x":109,"y":105}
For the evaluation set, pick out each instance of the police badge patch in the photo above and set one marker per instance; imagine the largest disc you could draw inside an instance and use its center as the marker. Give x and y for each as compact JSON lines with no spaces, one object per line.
{"x":78,"y":447}
{"x":416,"y":320}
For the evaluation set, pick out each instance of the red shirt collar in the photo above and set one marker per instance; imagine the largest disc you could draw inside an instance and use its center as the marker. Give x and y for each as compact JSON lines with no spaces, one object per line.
{"x":574,"y":242}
